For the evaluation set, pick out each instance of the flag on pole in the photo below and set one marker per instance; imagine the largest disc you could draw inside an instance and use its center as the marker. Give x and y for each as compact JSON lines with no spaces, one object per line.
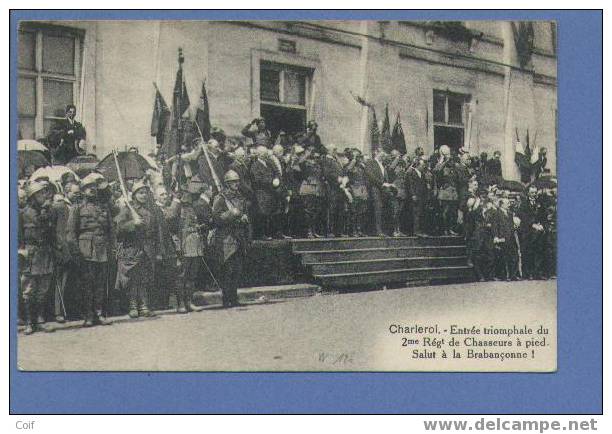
{"x":202,"y":116}
{"x":385,"y":135}
{"x":175,"y":128}
{"x":161,"y":114}
{"x":374,"y":133}
{"x":397,"y":137}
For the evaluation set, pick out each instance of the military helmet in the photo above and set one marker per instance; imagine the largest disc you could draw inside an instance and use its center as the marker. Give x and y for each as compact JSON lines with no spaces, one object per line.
{"x":35,"y":187}
{"x":90,"y":179}
{"x":231,"y":175}
{"x":139,"y":185}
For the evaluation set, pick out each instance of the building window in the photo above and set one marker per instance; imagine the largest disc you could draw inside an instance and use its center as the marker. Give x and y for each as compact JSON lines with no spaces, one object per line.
{"x":449,"y":112}
{"x":283,"y":94}
{"x":48,"y":69}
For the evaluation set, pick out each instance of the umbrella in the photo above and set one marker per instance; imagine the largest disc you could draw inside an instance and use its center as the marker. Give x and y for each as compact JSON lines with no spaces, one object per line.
{"x":31,"y":145}
{"x":83,"y":165}
{"x":131,"y":163}
{"x":52,"y":173}
{"x":30,"y":159}
{"x":506,"y":184}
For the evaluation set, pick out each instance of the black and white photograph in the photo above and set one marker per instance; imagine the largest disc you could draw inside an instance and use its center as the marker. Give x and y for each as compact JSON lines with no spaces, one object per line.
{"x":287,"y":196}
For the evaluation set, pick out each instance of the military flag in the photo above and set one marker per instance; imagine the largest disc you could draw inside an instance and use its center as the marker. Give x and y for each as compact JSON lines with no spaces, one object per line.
{"x":397,"y":137}
{"x":175,"y":135}
{"x":202,"y":116}
{"x":374,"y":132}
{"x":385,"y":134}
{"x":161,"y":114}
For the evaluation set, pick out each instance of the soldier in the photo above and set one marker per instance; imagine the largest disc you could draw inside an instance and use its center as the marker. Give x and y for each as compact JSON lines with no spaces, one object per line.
{"x":89,"y":231}
{"x":140,"y":240}
{"x":257,"y":131}
{"x":166,"y":270}
{"x":36,"y":254}
{"x":230,"y":239}
{"x":195,"y":221}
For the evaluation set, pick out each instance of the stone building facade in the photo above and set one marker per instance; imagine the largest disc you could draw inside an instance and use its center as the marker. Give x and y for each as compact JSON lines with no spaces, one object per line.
{"x":471,"y":84}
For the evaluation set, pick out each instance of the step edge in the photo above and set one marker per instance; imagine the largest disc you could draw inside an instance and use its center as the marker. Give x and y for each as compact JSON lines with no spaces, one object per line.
{"x":303,"y":252}
{"x":364,"y":261}
{"x":399,"y":270}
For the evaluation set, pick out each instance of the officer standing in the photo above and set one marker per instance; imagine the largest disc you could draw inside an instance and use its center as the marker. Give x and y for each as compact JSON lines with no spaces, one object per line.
{"x":36,"y":253}
{"x":89,"y":227}
{"x":230,"y":237}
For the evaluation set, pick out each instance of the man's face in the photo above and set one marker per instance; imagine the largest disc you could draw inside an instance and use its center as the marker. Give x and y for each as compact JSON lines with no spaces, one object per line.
{"x":141,"y":195}
{"x":312,"y":127}
{"x":163,"y":196}
{"x":497,"y":155}
{"x":533,"y":192}
{"x":40,"y":197}
{"x":74,"y":193}
{"x":90,"y":191}
{"x":233,"y":185}
{"x":261,"y":125}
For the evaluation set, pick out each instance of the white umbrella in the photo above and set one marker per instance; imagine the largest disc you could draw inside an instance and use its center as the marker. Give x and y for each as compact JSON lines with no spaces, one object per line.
{"x":30,"y":145}
{"x":52,"y":173}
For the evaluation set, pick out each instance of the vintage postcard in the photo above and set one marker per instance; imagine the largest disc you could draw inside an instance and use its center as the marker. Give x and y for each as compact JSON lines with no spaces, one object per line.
{"x":287,"y":196}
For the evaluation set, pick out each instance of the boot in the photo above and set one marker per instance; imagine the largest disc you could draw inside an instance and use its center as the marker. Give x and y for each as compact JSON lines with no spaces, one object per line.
{"x":180,"y":306}
{"x":133,"y":309}
{"x":99,"y":319}
{"x":41,"y":324}
{"x":192,"y":307}
{"x":145,"y":312}
{"x":29,"y":328}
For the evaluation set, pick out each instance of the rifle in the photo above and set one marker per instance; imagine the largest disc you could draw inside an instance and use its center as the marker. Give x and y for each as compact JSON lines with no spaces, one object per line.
{"x":135,"y":215}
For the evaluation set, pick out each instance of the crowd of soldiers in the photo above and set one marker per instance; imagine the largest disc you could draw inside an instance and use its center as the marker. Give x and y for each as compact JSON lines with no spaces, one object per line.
{"x":213,"y":197}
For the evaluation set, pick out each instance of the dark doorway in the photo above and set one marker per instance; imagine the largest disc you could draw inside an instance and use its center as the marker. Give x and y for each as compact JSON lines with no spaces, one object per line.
{"x":450,"y":136}
{"x":289,"y":120}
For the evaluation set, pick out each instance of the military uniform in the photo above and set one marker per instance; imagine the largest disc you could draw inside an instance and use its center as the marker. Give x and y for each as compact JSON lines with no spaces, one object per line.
{"x":230,"y":240}
{"x":195,"y":221}
{"x":137,"y":253}
{"x":35,"y":236}
{"x":166,"y":270}
{"x":90,"y":229}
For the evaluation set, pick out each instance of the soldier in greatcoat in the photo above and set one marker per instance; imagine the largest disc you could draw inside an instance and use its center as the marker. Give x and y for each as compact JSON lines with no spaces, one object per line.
{"x":139,"y":242}
{"x":194,"y":224}
{"x":89,"y":229}
{"x":35,"y":236}
{"x":230,"y":237}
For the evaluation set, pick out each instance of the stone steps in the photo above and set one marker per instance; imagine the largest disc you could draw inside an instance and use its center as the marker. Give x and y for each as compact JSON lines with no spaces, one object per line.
{"x":378,"y":261}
